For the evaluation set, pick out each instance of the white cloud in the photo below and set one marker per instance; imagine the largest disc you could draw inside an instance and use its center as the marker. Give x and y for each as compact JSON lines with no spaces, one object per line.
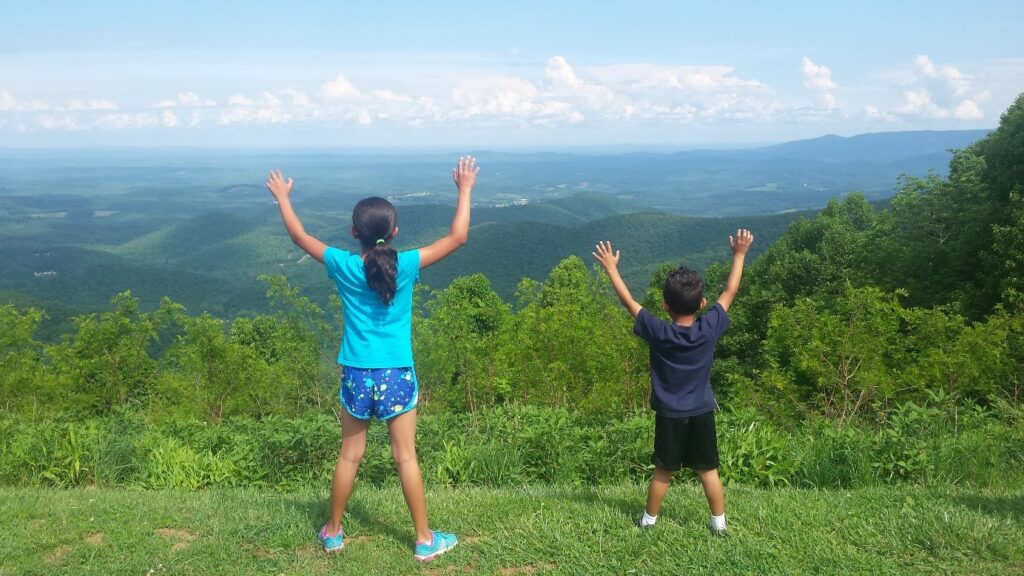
{"x":682,"y":94}
{"x":7,"y":101}
{"x":873,"y":112}
{"x":271,"y":101}
{"x":930,"y":91}
{"x":941,"y":92}
{"x":169,"y":119}
{"x":92,"y":105}
{"x":693,"y":79}
{"x":563,"y":82}
{"x":57,"y":123}
{"x":552,"y":92}
{"x":508,"y":98}
{"x":240,"y":100}
{"x":968,"y":110}
{"x":269,"y":110}
{"x":127,"y":121}
{"x":299,"y":98}
{"x":389,"y":96}
{"x":919,"y":103}
{"x":819,"y":79}
{"x":339,"y":89}
{"x":185,"y":100}
{"x":959,"y":82}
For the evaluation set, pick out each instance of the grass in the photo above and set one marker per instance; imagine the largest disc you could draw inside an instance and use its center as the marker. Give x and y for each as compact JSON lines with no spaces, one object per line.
{"x":543,"y":530}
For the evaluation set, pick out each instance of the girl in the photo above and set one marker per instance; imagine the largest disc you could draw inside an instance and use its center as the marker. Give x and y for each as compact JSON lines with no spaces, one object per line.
{"x":378,"y":378}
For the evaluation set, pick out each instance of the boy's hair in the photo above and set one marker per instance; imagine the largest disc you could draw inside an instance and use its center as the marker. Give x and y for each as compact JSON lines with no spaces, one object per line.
{"x":683,"y":290}
{"x":374,"y":219}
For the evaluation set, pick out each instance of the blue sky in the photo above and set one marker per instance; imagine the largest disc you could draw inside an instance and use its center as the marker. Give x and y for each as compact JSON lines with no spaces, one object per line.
{"x":510,"y":74}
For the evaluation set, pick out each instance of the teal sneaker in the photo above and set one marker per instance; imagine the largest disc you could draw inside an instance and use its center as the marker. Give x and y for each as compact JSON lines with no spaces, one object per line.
{"x":441,"y":543}
{"x":331,"y":543}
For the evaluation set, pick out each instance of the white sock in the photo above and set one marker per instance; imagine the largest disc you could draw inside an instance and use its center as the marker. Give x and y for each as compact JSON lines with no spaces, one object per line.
{"x":648,"y":520}
{"x":718,"y":522}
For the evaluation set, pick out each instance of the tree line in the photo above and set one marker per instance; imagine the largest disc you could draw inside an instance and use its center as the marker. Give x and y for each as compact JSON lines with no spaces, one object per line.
{"x":850,"y":312}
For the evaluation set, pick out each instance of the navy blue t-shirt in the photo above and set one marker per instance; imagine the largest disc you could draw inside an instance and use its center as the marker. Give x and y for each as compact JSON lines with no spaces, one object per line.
{"x":681,"y":361}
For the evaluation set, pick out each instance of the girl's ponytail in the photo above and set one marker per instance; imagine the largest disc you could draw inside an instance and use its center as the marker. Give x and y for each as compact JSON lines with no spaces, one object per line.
{"x":381,"y":267}
{"x":374,"y":220}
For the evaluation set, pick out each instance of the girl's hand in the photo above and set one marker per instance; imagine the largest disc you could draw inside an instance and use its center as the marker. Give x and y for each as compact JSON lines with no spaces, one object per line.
{"x":278,"y":186}
{"x":604,"y":254}
{"x":464,"y":174}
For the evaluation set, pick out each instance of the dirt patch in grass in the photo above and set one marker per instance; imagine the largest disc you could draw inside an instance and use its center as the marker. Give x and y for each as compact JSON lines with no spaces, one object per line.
{"x":470,"y":539}
{"x":527,"y":569}
{"x":58,"y":553}
{"x":95,"y":538}
{"x":449,"y":570}
{"x":184,"y":537}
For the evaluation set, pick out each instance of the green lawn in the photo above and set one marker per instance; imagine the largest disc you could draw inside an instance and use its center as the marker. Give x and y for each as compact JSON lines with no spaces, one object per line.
{"x":536,"y":530}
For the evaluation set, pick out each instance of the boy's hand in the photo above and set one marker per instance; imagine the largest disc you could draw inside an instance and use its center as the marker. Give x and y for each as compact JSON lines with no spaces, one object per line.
{"x":604,"y":254}
{"x":278,"y":186}
{"x":741,"y":243}
{"x":464,"y":174}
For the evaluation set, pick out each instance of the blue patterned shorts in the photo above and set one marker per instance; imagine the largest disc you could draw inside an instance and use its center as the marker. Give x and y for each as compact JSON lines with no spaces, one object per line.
{"x":381,"y":392}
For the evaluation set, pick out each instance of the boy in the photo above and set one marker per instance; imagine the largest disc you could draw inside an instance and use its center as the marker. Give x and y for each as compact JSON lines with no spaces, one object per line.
{"x":681,"y":355}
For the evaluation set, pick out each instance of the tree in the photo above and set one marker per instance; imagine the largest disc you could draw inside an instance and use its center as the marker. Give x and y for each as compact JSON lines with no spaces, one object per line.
{"x":456,"y":344}
{"x":24,"y":382}
{"x":106,"y":362}
{"x":839,"y":356}
{"x":218,"y":377}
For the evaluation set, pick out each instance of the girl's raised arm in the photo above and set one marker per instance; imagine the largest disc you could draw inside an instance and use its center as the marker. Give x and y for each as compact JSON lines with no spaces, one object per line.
{"x":465,"y":177}
{"x":282,"y":189}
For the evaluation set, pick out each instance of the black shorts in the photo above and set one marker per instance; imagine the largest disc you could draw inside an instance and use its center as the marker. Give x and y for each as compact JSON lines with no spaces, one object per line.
{"x":688,"y":442}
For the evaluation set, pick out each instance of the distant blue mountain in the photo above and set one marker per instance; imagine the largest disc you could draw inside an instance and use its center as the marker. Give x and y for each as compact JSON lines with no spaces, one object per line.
{"x":878,"y":147}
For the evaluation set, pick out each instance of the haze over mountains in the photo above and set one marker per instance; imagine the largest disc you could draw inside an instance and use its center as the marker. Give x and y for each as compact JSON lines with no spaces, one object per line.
{"x":78,"y":226}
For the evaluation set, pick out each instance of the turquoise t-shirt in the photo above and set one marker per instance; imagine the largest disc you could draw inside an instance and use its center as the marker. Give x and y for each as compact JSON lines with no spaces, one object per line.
{"x":375,"y":335}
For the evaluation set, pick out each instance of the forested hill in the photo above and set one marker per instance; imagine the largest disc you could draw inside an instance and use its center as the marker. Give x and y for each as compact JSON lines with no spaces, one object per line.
{"x":77,"y":227}
{"x":211,"y":262}
{"x":506,"y":252}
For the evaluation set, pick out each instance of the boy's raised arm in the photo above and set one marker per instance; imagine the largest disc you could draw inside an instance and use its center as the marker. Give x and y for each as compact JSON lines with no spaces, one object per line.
{"x":610,"y":260}
{"x":282,"y":189}
{"x":465,"y":177}
{"x":739,"y":246}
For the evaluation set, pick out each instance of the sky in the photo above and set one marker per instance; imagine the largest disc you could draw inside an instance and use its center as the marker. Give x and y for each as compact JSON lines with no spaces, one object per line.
{"x":510,"y":74}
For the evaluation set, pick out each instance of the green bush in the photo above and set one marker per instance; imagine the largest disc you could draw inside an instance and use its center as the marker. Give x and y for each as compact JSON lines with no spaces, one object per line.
{"x":519,"y":445}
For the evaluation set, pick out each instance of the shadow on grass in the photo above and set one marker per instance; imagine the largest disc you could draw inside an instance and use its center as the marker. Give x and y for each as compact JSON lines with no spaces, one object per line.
{"x":317,"y":511}
{"x":359,"y":512}
{"x":629,"y":507}
{"x":1009,"y":507}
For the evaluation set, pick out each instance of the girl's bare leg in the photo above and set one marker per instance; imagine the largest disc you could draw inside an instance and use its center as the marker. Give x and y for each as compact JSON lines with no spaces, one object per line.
{"x":353,"y":445}
{"x":403,"y":447}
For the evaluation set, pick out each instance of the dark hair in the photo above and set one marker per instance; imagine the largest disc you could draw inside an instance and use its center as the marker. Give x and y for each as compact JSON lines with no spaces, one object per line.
{"x":683,"y":290}
{"x":374,"y":219}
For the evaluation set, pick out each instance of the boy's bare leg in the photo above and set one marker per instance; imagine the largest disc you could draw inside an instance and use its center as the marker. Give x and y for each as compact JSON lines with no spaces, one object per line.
{"x":353,"y":445}
{"x":403,"y":448}
{"x":656,"y":491}
{"x":713,"y":490}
